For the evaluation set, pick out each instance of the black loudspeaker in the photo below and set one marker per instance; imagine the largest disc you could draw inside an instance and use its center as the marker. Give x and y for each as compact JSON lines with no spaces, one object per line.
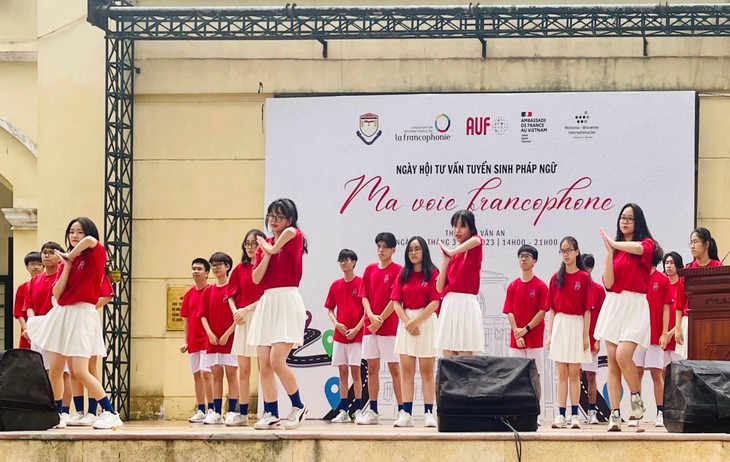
{"x":481,"y":393}
{"x":697,"y":397}
{"x":26,"y":399}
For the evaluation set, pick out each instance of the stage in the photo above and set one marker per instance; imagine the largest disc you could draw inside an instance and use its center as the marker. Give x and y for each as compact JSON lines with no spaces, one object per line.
{"x":322,"y":441}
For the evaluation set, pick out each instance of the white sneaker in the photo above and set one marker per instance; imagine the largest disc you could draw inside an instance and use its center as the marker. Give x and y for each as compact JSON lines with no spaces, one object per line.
{"x":65,"y":417}
{"x":632,"y":423}
{"x":342,"y":417}
{"x":593,"y":417}
{"x":213,"y":418}
{"x":108,"y":420}
{"x":369,"y":417}
{"x":74,"y":419}
{"x":239,"y":420}
{"x":87,"y":420}
{"x":295,"y":418}
{"x":539,"y":424}
{"x":614,"y":422}
{"x":574,"y":422}
{"x":230,"y":417}
{"x":429,"y":420}
{"x":267,"y":422}
{"x":198,"y":417}
{"x":637,"y":407}
{"x":404,"y":419}
{"x":61,"y":423}
{"x":559,"y":422}
{"x":357,"y":415}
{"x":659,"y":421}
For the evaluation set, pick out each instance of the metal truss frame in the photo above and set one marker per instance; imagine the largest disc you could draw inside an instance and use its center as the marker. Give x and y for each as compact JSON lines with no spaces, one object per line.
{"x":124,"y":24}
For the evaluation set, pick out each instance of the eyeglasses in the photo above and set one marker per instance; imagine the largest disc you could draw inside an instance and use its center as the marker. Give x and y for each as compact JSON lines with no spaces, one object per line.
{"x":525,"y":256}
{"x":415,"y":250}
{"x":250,"y":244}
{"x":274,"y":217}
{"x":565,"y":252}
{"x":216,"y":265}
{"x":626,"y":219}
{"x":48,"y":253}
{"x":694,"y":243}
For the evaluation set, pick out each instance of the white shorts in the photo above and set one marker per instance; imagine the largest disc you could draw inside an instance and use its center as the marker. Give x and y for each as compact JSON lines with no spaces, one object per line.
{"x":652,"y":358}
{"x":671,"y":356}
{"x":591,"y":366}
{"x":380,"y":347}
{"x":460,"y":324}
{"x":624,"y":317}
{"x":346,"y":354}
{"x":421,"y":345}
{"x":530,"y":353}
{"x":197,"y":362}
{"x":73,"y":330}
{"x":566,"y":343}
{"x":681,"y":350}
{"x":280,"y":317}
{"x":220,"y":359}
{"x":240,"y":339}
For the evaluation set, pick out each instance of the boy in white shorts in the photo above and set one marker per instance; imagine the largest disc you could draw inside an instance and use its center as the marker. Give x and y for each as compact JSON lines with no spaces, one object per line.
{"x":659,"y":296}
{"x":195,"y":338}
{"x":525,"y":305}
{"x":381,"y":325}
{"x":591,"y":368}
{"x":348,"y":321}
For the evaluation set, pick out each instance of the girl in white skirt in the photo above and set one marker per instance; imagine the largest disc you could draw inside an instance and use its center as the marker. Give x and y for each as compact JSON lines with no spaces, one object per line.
{"x":243,"y":295}
{"x":416,"y":299}
{"x":460,"y":330}
{"x":624,"y":319}
{"x":279,"y":319}
{"x":571,"y":301}
{"x":71,"y":331}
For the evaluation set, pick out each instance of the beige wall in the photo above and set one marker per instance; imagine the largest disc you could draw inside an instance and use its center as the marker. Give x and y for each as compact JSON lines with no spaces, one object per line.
{"x":199,"y":135}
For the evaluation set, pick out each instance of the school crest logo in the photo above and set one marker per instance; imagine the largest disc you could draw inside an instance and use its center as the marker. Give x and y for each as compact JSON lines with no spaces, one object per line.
{"x":369,"y":128}
{"x":655,"y":287}
{"x":424,"y":283}
{"x":386,"y":279}
{"x":354,"y":292}
{"x":577,"y":286}
{"x":532,"y":293}
{"x":81,"y":265}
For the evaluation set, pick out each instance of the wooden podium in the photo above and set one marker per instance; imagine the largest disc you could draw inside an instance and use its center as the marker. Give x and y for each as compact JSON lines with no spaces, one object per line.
{"x":708,"y":291}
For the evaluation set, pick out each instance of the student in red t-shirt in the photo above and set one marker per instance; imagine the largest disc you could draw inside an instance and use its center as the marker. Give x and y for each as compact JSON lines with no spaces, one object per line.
{"x":381,"y":324}
{"x":672,"y":261}
{"x":416,"y":300}
{"x":217,"y":320}
{"x":591,"y":368}
{"x":659,"y":296}
{"x":571,"y":300}
{"x":71,"y":331}
{"x":624,"y":319}
{"x":34,"y":266}
{"x":279,"y":320}
{"x":460,"y":329}
{"x":243,"y":295}
{"x":525,"y":305}
{"x":344,"y":307}
{"x":195,"y":338}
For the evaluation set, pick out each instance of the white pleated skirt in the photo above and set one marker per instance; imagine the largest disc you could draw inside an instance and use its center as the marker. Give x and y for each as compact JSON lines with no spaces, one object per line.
{"x":240,"y":339}
{"x":682,"y":349}
{"x":73,"y":330}
{"x":566,"y":342}
{"x":280,"y":317}
{"x":624,"y":317}
{"x":460,"y":324}
{"x":421,"y":345}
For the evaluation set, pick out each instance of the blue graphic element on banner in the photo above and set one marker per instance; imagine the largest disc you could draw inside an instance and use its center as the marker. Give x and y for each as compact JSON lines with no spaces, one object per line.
{"x":332,"y":391}
{"x":605,"y":395}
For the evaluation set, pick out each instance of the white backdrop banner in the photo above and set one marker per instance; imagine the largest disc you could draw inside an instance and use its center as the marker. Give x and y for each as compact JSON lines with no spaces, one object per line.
{"x":532,"y":167}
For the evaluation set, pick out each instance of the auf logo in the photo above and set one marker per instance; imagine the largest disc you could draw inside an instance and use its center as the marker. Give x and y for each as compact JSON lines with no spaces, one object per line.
{"x":369,"y":124}
{"x":477,"y":125}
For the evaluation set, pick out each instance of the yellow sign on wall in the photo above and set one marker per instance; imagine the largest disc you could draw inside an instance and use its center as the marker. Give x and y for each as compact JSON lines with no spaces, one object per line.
{"x":174,"y":303}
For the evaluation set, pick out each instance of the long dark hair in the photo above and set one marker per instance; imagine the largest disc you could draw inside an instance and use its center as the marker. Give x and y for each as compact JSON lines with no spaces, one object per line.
{"x":678,"y":262}
{"x":641,"y":230}
{"x":467,"y":218}
{"x":244,"y":258}
{"x":560,"y":278}
{"x":87,"y":226}
{"x":427,"y":266}
{"x":703,"y":234}
{"x":288,"y":208}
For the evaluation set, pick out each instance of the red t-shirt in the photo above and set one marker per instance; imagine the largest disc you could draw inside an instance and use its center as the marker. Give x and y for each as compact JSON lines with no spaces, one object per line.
{"x":416,"y":293}
{"x":106,"y":290}
{"x":345,"y":296}
{"x":712,"y":263}
{"x":576,"y":295}
{"x":679,"y":303}
{"x":631,"y":272}
{"x":19,"y":310}
{"x":241,"y":287}
{"x":659,"y":294}
{"x":463,"y":270}
{"x":285,"y":268}
{"x":524,"y":300}
{"x":599,"y":295}
{"x":40,"y":291}
{"x":377,"y":287}
{"x":84,"y":278}
{"x":216,"y":310}
{"x":191,"y":308}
